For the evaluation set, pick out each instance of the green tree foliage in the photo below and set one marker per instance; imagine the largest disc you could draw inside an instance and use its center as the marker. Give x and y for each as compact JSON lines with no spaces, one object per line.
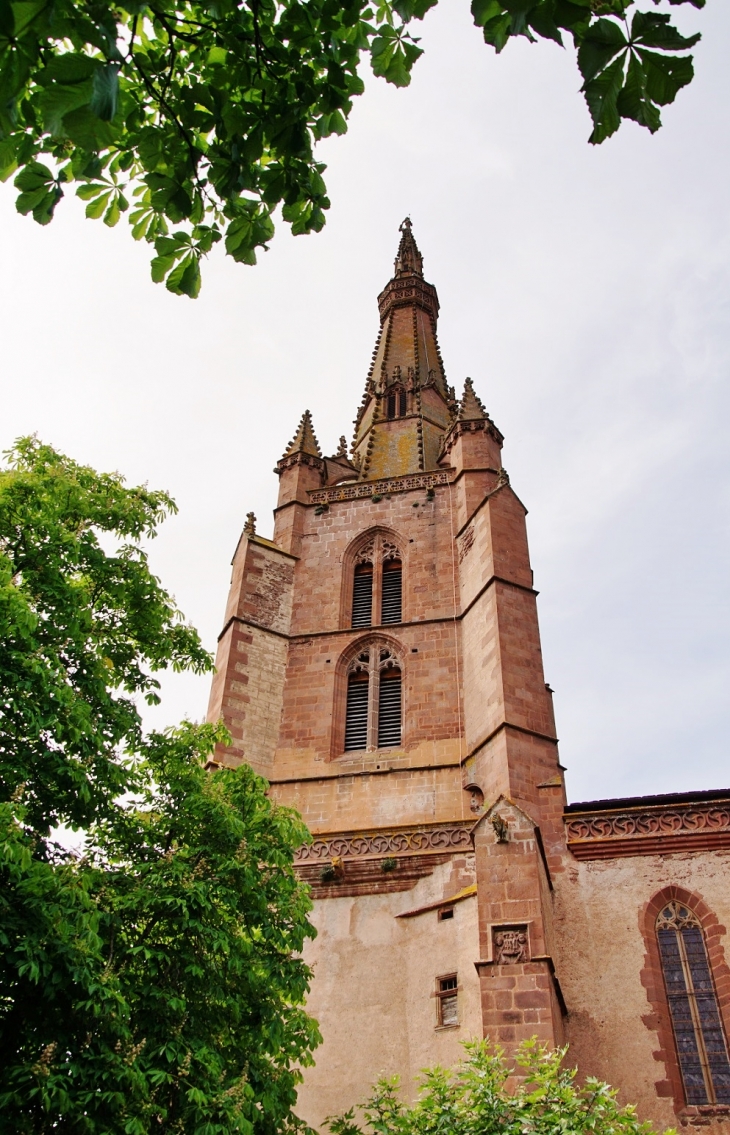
{"x":153,"y":982}
{"x":484,"y":1095}
{"x":200,"y":117}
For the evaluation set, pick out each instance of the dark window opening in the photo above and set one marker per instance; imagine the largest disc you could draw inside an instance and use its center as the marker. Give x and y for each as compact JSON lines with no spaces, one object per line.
{"x":445,"y":913}
{"x":356,"y":714}
{"x":362,"y":596}
{"x":389,"y":709}
{"x":396,"y":404}
{"x":392,"y":597}
{"x":448,"y":1000}
{"x":698,"y":1031}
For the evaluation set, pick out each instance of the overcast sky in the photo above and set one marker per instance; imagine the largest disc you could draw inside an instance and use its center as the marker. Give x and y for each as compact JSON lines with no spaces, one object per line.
{"x":586,"y":291}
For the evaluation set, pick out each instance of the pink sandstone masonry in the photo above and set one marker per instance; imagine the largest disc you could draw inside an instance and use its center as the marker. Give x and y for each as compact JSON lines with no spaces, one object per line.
{"x":451,"y":855}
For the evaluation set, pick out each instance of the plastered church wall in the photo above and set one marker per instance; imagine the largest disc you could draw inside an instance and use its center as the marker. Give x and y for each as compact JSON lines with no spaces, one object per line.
{"x":612,"y":1027}
{"x":471,"y":805}
{"x":373,"y":991}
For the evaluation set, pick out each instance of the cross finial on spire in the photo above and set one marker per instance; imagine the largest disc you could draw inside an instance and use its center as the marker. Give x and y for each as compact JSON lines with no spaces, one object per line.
{"x":409,"y":259}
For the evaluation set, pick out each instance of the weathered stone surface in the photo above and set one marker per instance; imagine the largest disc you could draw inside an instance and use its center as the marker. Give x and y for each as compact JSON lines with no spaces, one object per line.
{"x":447,"y":855}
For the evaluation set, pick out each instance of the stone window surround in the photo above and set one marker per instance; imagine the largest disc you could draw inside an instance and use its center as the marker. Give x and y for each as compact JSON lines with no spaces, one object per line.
{"x":382,"y":539}
{"x":439,"y":994}
{"x":369,"y":641}
{"x":658,"y":1019}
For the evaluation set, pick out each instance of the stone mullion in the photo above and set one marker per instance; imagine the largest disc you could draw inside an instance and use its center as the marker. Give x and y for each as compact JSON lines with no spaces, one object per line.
{"x":373,"y":697}
{"x":377,"y":612}
{"x":697,"y":1023}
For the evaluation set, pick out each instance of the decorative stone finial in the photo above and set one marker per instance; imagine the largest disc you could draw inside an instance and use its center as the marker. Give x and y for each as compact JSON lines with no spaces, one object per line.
{"x":470,"y":407}
{"x":250,"y":526}
{"x":342,"y":447}
{"x":409,"y":259}
{"x":304,"y":440}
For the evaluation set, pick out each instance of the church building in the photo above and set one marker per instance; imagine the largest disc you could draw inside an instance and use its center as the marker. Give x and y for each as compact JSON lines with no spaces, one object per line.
{"x":380,"y":665}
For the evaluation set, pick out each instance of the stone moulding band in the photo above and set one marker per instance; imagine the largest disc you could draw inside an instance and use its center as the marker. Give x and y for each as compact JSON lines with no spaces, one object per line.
{"x":396,"y":841}
{"x":369,"y":488}
{"x":649,"y":831}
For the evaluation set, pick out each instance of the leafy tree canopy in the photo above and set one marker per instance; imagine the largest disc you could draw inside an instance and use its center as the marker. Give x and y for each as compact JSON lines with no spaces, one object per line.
{"x":152,"y":983}
{"x":200,"y":117}
{"x":485,"y":1095}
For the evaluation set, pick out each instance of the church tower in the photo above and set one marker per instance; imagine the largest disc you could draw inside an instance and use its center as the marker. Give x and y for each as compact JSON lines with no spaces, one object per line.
{"x":380,"y":665}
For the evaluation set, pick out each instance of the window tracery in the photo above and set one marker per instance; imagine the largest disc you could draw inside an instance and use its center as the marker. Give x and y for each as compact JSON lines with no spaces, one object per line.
{"x":699,"y":1035}
{"x":373,"y":712}
{"x":377,"y":583}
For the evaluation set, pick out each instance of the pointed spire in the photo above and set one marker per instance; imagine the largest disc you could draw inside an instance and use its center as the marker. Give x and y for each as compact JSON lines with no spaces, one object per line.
{"x":409,"y":259}
{"x":470,"y":407}
{"x":304,"y":440}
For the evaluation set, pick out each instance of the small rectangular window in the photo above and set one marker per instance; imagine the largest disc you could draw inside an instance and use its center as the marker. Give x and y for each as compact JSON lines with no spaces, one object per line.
{"x":402,"y":403}
{"x":391,"y":405}
{"x":448,"y":1000}
{"x":445,"y":913}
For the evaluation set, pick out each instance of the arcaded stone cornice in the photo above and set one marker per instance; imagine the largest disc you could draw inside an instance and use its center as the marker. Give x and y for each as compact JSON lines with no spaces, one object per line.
{"x":420,"y":840}
{"x":652,"y":827}
{"x":359,"y":489}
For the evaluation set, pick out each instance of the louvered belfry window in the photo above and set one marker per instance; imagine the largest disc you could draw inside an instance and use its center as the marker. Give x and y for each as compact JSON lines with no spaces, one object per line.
{"x":397,"y":403}
{"x":377,"y":583}
{"x":356,"y":719}
{"x":373,"y":711}
{"x":392,"y":592}
{"x":698,"y":1029}
{"x":362,"y":596}
{"x":389,"y":709}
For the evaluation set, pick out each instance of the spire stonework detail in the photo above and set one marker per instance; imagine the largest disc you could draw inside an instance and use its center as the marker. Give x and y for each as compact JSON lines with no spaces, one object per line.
{"x":406,"y":407}
{"x":429,"y":578}
{"x":380,"y":665}
{"x":304,"y":440}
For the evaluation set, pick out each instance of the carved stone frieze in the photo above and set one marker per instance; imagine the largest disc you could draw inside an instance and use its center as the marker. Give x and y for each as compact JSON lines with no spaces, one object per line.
{"x":370,"y":488}
{"x":459,"y":428}
{"x":650,"y":830}
{"x":436,"y":838}
{"x":299,"y":459}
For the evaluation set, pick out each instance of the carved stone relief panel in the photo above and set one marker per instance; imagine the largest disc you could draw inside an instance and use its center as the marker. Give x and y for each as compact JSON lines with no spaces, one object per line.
{"x":510,"y":945}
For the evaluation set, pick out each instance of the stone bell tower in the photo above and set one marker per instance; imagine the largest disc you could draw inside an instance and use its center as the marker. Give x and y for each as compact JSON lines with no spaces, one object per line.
{"x":380,"y":665}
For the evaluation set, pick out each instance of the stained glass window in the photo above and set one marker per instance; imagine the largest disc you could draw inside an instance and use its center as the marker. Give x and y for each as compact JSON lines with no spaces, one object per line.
{"x":698,"y":1030}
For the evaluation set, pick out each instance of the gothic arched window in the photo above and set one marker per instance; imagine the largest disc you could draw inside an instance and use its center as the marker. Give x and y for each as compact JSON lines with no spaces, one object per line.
{"x":373,"y":710}
{"x":377,"y":584}
{"x":698,"y":1030}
